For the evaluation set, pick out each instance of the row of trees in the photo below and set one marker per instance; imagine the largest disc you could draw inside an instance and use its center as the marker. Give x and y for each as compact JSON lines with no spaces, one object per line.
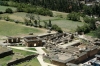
{"x":35,"y":21}
{"x":28,"y":8}
{"x":58,"y":5}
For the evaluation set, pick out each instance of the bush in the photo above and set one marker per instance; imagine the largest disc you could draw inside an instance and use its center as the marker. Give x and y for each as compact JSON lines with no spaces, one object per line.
{"x":97,"y":32}
{"x":9,"y":10}
{"x":74,"y":16}
{"x":56,"y":28}
{"x":19,"y":9}
{"x":85,"y":28}
{"x":6,"y":18}
{"x":1,"y":12}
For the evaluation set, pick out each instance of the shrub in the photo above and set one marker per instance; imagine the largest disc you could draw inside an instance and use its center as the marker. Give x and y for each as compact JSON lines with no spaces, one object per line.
{"x":74,"y":16}
{"x":57,"y":28}
{"x":6,"y":18}
{"x":19,"y":9}
{"x":85,"y":28}
{"x":1,"y":12}
{"x":9,"y":10}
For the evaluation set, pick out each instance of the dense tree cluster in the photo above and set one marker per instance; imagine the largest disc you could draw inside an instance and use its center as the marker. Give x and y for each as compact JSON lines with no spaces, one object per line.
{"x":58,"y":5}
{"x":92,"y":10}
{"x":74,"y":16}
{"x":23,"y":7}
{"x":89,"y":26}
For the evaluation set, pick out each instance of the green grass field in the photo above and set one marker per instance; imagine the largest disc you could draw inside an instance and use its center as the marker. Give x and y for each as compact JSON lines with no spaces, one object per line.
{"x":22,"y":15}
{"x":12,"y":29}
{"x":25,"y":53}
{"x":66,"y":25}
{"x":31,"y":49}
{"x":3,"y":8}
{"x":33,"y":62}
{"x":3,"y":61}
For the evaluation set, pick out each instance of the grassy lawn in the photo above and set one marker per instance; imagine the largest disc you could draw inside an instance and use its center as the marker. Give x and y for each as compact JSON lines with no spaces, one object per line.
{"x":91,"y":34}
{"x":3,"y":8}
{"x":31,"y":49}
{"x":25,"y":53}
{"x":58,"y":14}
{"x":66,"y":25}
{"x":3,"y":61}
{"x":12,"y":29}
{"x":18,"y":54}
{"x":33,"y":62}
{"x":21,"y":15}
{"x":46,"y":60}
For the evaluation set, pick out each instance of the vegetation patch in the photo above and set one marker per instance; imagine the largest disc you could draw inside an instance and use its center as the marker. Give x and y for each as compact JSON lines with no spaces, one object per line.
{"x":31,"y":49}
{"x":25,"y":53}
{"x":17,"y":54}
{"x":10,"y":29}
{"x":33,"y":62}
{"x":67,"y":25}
{"x":3,"y":8}
{"x":46,"y":60}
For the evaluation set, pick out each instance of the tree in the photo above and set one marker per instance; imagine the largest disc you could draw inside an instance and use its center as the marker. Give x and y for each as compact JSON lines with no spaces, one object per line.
{"x":73,"y":16}
{"x":49,"y":25}
{"x":92,"y":24}
{"x":45,"y":24}
{"x":35,"y":23}
{"x":30,"y":16}
{"x":97,"y":32}
{"x":9,"y":10}
{"x":38,"y":18}
{"x":20,"y":9}
{"x":85,"y":28}
{"x":57,"y":28}
{"x":86,"y":19}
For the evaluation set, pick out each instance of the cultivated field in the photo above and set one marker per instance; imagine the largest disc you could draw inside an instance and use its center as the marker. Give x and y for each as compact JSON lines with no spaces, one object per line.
{"x":3,"y":8}
{"x":66,"y":25}
{"x":12,"y":29}
{"x":22,"y":15}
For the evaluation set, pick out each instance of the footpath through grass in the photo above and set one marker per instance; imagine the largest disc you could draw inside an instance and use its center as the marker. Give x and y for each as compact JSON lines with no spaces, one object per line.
{"x":11,"y":29}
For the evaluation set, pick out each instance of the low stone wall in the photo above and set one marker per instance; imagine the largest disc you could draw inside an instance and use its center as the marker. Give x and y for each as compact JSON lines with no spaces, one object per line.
{"x":21,"y":60}
{"x":6,"y":53}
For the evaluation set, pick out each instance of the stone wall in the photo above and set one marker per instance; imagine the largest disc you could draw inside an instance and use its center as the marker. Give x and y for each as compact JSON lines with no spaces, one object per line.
{"x":13,"y":40}
{"x":34,"y":43}
{"x":14,"y":62}
{"x":6,"y":53}
{"x":58,"y":63}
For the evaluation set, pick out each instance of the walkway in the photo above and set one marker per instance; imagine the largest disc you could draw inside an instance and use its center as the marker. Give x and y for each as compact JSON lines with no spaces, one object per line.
{"x":39,"y":51}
